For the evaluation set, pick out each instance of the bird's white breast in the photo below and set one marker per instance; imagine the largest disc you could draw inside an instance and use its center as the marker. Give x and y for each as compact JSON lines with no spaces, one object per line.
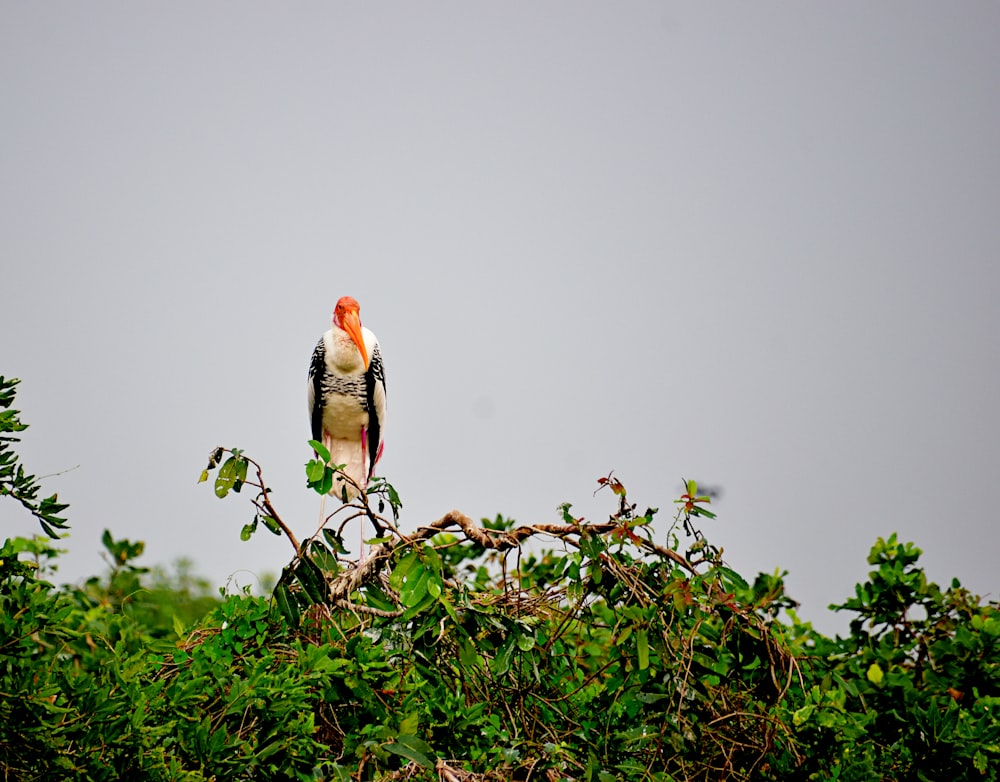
{"x":344,"y":417}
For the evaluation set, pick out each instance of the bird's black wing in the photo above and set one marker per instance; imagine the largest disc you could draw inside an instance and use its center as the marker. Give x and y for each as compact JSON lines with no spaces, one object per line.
{"x":375,"y":401}
{"x":317,"y":370}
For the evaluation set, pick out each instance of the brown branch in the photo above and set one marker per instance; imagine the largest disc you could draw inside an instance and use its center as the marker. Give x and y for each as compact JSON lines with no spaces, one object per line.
{"x":497,"y":540}
{"x":364,"y":609}
{"x":268,"y":508}
{"x":503,"y":540}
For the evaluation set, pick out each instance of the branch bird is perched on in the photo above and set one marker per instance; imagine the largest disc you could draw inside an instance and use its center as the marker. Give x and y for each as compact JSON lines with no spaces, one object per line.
{"x":347,"y":397}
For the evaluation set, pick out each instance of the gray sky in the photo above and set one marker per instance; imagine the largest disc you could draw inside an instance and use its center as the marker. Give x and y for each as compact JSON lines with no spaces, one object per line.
{"x":752,"y":244}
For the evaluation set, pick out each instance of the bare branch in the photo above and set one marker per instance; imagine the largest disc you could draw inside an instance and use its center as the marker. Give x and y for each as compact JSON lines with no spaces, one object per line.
{"x":265,"y":501}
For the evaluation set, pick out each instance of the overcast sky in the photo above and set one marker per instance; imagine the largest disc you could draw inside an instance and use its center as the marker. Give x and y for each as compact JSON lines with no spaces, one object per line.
{"x":753,"y":244}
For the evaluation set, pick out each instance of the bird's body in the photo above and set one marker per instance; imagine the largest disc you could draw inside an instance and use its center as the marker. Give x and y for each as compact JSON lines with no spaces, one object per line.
{"x":346,"y":395}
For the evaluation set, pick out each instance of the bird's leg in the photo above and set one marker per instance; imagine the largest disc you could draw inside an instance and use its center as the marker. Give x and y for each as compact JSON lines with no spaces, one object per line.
{"x":361,"y":543}
{"x":364,"y":485}
{"x":364,"y":456}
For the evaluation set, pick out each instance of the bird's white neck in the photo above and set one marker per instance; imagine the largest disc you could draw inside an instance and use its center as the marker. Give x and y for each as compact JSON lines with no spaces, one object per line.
{"x":341,"y":352}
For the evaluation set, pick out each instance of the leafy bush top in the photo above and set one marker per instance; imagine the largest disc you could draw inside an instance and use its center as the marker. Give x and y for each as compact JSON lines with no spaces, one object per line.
{"x":455,"y":653}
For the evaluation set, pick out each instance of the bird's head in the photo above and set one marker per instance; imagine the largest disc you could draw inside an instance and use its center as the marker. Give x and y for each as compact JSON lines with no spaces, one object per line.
{"x":347,"y":316}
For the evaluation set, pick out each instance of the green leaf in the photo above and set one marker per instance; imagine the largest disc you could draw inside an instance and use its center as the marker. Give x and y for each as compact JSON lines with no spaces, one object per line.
{"x":803,"y":714}
{"x":334,"y":540}
{"x":468,"y":656}
{"x":269,"y":749}
{"x":525,"y":642}
{"x":340,"y":774}
{"x":228,"y":468}
{"x":226,"y":478}
{"x":402,"y":569}
{"x":321,"y":450}
{"x":325,"y":560}
{"x":393,"y":496}
{"x":414,"y":586}
{"x":642,"y":647}
{"x":731,"y":578}
{"x":288,"y":607}
{"x":311,"y":579}
{"x":874,"y":674}
{"x":271,"y":523}
{"x":501,"y":662}
{"x":415,"y":743}
{"x":406,"y":751}
{"x":410,"y":723}
{"x":448,"y":607}
{"x":315,"y":470}
{"x":376,"y":598}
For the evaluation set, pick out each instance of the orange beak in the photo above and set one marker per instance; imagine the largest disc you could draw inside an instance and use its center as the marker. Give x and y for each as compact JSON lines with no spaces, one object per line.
{"x":352,"y":325}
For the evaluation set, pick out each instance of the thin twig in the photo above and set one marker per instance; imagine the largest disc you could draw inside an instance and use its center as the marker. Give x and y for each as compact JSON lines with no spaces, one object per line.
{"x":265,"y":495}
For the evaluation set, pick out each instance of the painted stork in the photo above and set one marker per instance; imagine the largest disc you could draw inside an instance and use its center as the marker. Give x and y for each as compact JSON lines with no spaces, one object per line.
{"x":347,"y":397}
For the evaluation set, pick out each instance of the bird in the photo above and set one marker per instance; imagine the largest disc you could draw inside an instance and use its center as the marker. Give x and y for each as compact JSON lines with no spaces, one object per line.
{"x":346,"y":394}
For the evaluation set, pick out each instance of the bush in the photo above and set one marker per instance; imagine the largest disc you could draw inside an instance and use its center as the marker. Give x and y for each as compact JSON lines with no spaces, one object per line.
{"x":454,"y":653}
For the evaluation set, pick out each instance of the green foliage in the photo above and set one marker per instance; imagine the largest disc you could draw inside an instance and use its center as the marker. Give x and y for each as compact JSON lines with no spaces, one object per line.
{"x":14,"y":481}
{"x":455,"y":652}
{"x":163,"y":604}
{"x":913,"y":692}
{"x":617,"y":657}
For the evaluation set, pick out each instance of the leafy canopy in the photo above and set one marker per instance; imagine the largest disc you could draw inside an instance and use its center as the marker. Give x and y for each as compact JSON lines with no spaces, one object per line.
{"x":606,"y":651}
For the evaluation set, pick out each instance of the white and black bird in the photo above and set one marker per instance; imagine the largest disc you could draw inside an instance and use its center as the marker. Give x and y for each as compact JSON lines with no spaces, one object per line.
{"x":347,"y":397}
